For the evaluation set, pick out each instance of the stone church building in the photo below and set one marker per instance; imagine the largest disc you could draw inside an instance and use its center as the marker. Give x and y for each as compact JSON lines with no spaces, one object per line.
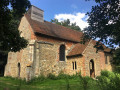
{"x":53,"y":49}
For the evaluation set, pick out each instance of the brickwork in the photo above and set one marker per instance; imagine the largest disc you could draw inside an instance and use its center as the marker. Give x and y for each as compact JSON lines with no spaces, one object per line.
{"x":79,"y":65}
{"x":108,"y":66}
{"x":91,"y":54}
{"x":49,"y":61}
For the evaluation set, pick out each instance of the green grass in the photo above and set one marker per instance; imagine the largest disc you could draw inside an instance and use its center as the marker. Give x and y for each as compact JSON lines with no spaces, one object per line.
{"x":69,"y":83}
{"x":107,"y":81}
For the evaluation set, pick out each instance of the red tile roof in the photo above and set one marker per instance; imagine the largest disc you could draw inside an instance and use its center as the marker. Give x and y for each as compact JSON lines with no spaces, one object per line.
{"x":78,"y":49}
{"x":58,"y":31}
{"x":54,"y":30}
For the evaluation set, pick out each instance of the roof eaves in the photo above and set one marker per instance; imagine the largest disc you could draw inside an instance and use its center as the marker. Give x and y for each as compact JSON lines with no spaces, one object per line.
{"x":38,"y":33}
{"x":69,"y":56}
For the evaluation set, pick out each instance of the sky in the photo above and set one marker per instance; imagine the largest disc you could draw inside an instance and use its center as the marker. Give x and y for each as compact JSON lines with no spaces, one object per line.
{"x":74,"y":10}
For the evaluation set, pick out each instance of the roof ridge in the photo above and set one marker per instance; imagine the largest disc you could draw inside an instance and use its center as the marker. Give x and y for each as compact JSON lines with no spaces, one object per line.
{"x":64,"y":27}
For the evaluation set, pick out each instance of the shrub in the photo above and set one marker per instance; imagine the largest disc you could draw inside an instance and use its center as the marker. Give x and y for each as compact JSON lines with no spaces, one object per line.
{"x":109,"y":80}
{"x":40,"y":78}
{"x":108,"y":74}
{"x":115,"y":83}
{"x":52,"y":76}
{"x":63,"y":76}
{"x":85,"y":82}
{"x":117,"y":69}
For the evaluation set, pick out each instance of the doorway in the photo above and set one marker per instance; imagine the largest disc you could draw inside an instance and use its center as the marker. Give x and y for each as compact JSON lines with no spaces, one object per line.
{"x":19,"y":70}
{"x":92,"y":69}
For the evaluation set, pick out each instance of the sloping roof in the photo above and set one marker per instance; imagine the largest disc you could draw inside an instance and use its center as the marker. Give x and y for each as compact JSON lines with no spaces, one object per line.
{"x":54,"y":30}
{"x":58,"y":31}
{"x":78,"y":49}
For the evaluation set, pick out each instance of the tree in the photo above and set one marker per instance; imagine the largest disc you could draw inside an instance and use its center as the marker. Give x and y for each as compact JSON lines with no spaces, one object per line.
{"x":67,"y":24}
{"x":117,"y":57}
{"x":104,"y":22}
{"x":3,"y":61}
{"x":10,"y":39}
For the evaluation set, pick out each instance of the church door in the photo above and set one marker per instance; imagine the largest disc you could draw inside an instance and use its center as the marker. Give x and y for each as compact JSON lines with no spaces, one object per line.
{"x":92,"y":70}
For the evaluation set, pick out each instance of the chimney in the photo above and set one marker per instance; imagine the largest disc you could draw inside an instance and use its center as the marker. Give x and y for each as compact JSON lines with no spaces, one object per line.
{"x":36,"y":14}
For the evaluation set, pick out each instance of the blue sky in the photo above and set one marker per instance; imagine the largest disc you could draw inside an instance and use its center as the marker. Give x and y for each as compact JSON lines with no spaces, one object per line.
{"x":62,"y":9}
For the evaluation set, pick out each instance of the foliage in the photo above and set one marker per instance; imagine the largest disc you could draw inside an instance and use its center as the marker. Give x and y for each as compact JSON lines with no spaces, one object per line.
{"x":40,"y":78}
{"x":10,"y":39}
{"x":104,"y":22}
{"x":117,"y":69}
{"x":109,"y":80}
{"x":64,"y":76}
{"x":52,"y":76}
{"x":108,"y":74}
{"x":3,"y":62}
{"x":86,"y":82}
{"x":103,"y":82}
{"x":67,"y":24}
{"x":116,"y":57}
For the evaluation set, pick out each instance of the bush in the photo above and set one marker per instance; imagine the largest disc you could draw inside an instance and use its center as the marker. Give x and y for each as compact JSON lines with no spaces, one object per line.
{"x":117,"y":69}
{"x":103,"y":82}
{"x":86,"y":82}
{"x":109,"y":80}
{"x":52,"y":76}
{"x":40,"y":78}
{"x":108,"y":74}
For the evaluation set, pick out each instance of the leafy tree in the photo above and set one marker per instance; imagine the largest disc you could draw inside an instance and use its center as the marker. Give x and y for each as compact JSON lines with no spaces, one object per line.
{"x":104,"y":22}
{"x":117,"y":57}
{"x":10,"y":39}
{"x":3,"y":61}
{"x":67,"y":24}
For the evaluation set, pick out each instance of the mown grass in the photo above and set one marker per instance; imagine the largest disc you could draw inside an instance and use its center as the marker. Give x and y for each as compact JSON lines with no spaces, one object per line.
{"x":107,"y":81}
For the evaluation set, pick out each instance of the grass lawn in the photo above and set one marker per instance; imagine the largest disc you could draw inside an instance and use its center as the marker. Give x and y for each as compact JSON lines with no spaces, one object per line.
{"x":7,"y":83}
{"x":107,"y":81}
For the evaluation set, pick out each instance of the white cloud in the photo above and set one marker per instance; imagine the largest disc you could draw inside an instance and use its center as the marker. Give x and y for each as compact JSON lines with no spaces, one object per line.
{"x":79,"y":18}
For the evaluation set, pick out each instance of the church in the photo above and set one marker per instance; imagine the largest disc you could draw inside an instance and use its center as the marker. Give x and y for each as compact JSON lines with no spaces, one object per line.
{"x":54,"y":49}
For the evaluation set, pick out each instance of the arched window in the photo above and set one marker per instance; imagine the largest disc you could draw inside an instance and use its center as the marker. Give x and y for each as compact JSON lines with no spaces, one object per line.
{"x":62,"y":53}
